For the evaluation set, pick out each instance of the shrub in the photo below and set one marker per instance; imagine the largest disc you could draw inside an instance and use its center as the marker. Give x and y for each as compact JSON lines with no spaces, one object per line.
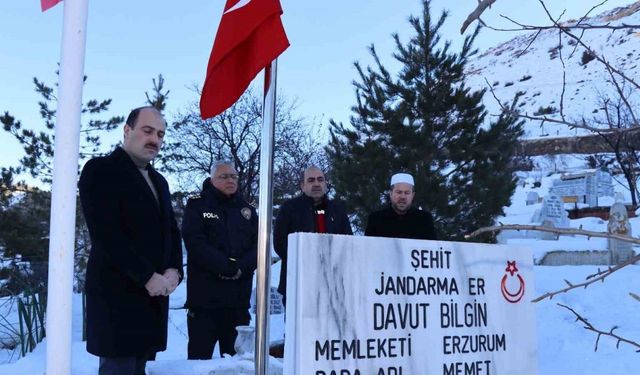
{"x":587,"y":57}
{"x":545,"y":111}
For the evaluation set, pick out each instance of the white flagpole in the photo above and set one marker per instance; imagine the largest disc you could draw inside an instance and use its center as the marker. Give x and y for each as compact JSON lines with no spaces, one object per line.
{"x":63,"y":191}
{"x":263,"y":284}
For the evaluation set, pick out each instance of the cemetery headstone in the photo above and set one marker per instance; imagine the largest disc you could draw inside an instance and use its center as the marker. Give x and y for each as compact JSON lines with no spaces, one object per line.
{"x":384,"y":306}
{"x":619,"y":224}
{"x":549,"y":236}
{"x":532,"y":198}
{"x":553,"y":210}
{"x":275,"y":302}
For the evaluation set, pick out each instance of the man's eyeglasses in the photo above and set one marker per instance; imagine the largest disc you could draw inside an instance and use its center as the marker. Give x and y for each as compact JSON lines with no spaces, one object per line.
{"x":226,"y":176}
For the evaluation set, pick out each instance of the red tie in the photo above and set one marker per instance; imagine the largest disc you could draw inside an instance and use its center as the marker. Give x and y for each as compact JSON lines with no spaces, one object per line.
{"x":320,"y":222}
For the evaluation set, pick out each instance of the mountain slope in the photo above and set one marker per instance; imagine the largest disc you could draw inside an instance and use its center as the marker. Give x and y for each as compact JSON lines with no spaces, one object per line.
{"x":537,"y":71}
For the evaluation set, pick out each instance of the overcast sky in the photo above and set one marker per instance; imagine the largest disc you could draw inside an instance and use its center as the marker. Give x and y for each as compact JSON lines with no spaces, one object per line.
{"x":130,"y":42}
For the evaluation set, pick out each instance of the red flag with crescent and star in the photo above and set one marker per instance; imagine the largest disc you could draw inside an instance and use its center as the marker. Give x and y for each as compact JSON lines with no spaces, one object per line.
{"x":249,"y":37}
{"x":511,"y":296}
{"x":46,"y":4}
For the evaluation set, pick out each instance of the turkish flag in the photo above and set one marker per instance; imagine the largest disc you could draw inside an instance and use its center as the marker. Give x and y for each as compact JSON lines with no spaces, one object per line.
{"x":249,"y":38}
{"x":46,"y":4}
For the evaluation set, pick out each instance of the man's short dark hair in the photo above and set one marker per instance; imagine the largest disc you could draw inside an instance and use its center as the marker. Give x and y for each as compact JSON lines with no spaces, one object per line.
{"x":133,"y":115}
{"x":303,"y":171}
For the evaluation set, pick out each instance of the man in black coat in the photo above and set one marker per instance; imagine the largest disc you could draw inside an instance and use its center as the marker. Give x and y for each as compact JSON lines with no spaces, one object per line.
{"x":220,"y":232}
{"x":311,"y":212}
{"x":400,"y":219}
{"x":136,"y":254}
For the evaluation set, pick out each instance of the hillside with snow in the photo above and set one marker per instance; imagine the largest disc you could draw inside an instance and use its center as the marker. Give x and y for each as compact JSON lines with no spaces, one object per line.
{"x":533,"y":65}
{"x":533,"y":68}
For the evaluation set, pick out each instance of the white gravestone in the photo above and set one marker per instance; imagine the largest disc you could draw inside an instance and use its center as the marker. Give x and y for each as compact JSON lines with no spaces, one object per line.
{"x":532,"y":198}
{"x":549,"y":236}
{"x":620,"y":251}
{"x":275,"y":303}
{"x":368,"y":305}
{"x":553,"y":211}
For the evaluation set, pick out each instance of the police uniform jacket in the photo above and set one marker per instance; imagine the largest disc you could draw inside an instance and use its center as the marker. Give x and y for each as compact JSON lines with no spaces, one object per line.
{"x":297,"y":215}
{"x":221,"y":236}
{"x":133,"y":235}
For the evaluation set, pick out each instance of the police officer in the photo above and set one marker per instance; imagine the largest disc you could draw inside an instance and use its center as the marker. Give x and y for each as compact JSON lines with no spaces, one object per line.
{"x":220,"y":231}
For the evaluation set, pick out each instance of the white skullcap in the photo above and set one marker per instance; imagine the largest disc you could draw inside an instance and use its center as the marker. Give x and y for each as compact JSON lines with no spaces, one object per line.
{"x":402,"y":177}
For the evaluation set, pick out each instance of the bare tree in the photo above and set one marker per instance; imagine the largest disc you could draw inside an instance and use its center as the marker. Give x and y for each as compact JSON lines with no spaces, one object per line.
{"x":617,"y":115}
{"x":195,"y":144}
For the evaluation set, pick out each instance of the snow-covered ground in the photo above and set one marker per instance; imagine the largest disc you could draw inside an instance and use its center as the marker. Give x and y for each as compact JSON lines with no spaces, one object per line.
{"x":564,"y":346}
{"x":520,"y":213}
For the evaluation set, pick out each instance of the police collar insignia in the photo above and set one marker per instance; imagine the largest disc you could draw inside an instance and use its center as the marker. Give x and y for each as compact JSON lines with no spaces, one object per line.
{"x":246,"y":212}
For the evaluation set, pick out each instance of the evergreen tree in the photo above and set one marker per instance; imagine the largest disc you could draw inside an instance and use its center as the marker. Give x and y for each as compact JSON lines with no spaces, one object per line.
{"x":158,"y":97}
{"x":24,"y":210}
{"x":38,"y":144}
{"x":426,"y":122}
{"x":24,"y":239}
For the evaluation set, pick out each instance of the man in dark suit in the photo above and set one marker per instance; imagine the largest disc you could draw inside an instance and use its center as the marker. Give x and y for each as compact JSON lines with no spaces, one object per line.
{"x":136,"y":255}
{"x":220,"y":230}
{"x":312,"y":212}
{"x":401,"y":219}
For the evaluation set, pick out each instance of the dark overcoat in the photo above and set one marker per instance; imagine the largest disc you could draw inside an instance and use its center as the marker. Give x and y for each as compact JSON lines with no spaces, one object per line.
{"x":297,"y":215}
{"x":415,"y":223}
{"x":133,"y":235}
{"x":221,"y":236}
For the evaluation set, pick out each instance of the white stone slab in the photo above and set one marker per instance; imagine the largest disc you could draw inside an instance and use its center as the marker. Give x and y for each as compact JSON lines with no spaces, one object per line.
{"x":340,"y":320}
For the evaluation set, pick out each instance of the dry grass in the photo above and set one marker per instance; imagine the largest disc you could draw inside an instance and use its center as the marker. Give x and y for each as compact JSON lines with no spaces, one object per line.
{"x":623,"y":12}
